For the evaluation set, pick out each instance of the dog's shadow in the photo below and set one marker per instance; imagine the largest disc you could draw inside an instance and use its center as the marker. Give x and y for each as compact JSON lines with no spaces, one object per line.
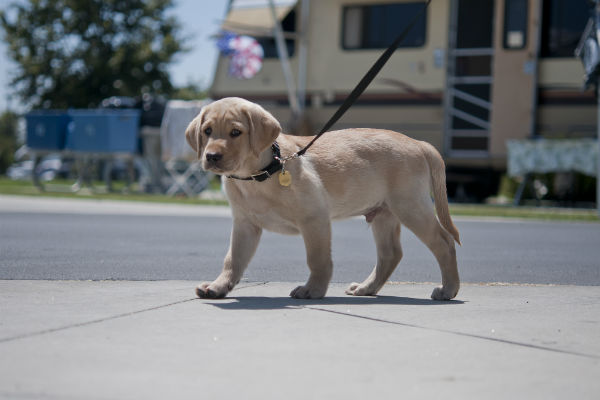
{"x":277,"y":303}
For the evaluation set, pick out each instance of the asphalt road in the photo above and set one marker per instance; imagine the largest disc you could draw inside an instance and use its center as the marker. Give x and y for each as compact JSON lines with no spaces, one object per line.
{"x":123,"y":247}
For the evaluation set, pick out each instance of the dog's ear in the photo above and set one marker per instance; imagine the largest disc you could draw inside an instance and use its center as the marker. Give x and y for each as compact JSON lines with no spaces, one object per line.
{"x":264,"y":128}
{"x":193,"y":135}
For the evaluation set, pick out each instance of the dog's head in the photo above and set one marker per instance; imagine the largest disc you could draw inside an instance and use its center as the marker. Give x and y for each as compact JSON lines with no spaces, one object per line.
{"x":230,"y":133}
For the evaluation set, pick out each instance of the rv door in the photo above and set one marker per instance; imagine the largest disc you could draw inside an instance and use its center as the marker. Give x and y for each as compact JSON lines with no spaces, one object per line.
{"x":491,"y":78}
{"x":514,"y":97}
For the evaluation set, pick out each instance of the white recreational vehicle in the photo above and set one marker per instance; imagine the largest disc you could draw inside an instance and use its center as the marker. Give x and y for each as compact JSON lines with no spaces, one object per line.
{"x":469,"y":76}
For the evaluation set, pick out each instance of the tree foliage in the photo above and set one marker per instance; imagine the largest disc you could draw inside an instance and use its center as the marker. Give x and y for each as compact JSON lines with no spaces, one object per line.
{"x":74,"y":53}
{"x":8,"y":139}
{"x":191,"y":91}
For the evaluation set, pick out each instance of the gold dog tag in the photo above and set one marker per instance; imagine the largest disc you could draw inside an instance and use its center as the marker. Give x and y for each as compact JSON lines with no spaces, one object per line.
{"x":285,"y":178}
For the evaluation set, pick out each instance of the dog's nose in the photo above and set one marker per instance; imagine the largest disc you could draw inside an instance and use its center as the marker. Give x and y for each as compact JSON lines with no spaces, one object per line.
{"x":213,"y":157}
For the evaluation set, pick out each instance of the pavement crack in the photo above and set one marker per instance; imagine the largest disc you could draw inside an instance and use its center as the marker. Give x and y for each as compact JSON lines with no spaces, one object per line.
{"x":464,"y":334}
{"x":92,"y":322}
{"x":112,"y":317}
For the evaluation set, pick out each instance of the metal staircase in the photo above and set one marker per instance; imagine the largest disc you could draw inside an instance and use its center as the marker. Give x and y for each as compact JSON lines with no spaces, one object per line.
{"x":467,"y":103}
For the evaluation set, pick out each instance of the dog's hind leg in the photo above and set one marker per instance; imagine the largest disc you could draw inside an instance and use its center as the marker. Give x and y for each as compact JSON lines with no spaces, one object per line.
{"x":417,"y":214}
{"x":386,"y":231}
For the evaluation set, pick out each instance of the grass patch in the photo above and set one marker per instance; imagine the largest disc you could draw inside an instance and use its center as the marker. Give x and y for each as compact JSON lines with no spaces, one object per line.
{"x":538,"y":213}
{"x":62,"y":189}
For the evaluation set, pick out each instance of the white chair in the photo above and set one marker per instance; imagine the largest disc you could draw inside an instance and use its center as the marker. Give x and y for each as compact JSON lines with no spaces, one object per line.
{"x":180,"y":160}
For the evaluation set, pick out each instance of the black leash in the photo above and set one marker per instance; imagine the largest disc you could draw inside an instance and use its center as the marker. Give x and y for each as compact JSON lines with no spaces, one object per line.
{"x":364,"y":82}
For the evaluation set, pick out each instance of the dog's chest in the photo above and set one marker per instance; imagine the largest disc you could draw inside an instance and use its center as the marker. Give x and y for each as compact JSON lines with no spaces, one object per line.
{"x":264,"y":211}
{"x":270,"y":219}
{"x":275,"y":223}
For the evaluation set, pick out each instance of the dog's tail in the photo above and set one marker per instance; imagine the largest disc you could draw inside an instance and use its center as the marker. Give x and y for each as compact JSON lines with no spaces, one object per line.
{"x":438,"y":185}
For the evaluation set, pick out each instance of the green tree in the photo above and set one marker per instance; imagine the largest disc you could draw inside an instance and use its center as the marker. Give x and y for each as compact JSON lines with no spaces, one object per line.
{"x":74,"y":53}
{"x":8,"y":139}
{"x":191,"y":91}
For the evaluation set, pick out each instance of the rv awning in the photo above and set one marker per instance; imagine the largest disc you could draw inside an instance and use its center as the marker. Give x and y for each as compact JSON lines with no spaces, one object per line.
{"x":253,"y":17}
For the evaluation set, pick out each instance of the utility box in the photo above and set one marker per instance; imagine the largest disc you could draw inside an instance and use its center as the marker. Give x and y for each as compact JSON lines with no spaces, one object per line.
{"x":103,"y":131}
{"x":46,"y":129}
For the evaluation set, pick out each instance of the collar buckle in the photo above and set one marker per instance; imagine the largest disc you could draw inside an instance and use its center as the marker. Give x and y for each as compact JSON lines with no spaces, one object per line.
{"x":261,"y":177}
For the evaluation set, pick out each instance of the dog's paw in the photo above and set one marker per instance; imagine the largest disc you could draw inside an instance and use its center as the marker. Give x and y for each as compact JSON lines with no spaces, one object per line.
{"x":306,"y":292}
{"x":206,"y":290}
{"x":358,"y":289}
{"x":444,"y":293}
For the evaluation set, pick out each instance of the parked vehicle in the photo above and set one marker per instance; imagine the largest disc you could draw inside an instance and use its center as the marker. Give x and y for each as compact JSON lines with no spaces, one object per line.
{"x":471,"y":75}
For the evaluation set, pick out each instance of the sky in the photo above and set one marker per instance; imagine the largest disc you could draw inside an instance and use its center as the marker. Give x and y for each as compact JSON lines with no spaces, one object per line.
{"x":199,"y":20}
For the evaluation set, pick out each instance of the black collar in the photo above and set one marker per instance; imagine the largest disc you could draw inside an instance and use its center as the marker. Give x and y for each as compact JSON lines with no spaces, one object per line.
{"x":269,"y":170}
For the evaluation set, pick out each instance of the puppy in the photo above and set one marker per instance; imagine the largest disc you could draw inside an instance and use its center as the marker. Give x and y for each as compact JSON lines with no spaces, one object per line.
{"x":383,"y":175}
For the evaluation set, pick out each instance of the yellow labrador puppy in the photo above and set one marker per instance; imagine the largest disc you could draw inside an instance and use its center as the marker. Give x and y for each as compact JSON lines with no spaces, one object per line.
{"x":383,"y":175}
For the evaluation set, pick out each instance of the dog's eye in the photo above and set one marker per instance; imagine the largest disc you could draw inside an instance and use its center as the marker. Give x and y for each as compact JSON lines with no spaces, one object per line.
{"x":208,"y":131}
{"x":235,"y":133}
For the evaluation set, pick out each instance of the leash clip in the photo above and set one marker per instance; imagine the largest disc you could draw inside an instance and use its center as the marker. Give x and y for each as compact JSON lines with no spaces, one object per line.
{"x":285,"y":178}
{"x":283,"y":160}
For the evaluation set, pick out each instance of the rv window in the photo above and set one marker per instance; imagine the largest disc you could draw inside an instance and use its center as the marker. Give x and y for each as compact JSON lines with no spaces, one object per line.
{"x":270,"y":47}
{"x":474,"y":24}
{"x":288,"y":24}
{"x":515,"y":24}
{"x":376,"y":26}
{"x":562,"y":25}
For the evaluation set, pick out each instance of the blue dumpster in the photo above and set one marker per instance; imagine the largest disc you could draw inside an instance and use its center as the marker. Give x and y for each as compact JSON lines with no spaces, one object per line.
{"x":103,"y":131}
{"x":46,"y":129}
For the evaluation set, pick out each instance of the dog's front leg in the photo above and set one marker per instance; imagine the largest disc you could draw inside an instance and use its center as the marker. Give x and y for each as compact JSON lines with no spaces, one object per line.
{"x":316,"y":233}
{"x":244,"y":241}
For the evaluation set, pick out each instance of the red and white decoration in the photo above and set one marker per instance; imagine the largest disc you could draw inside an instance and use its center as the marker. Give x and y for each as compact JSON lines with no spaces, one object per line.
{"x":246,"y":55}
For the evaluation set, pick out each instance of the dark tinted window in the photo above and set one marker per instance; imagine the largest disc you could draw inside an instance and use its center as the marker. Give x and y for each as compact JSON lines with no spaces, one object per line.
{"x":562,"y":25}
{"x":515,"y":24}
{"x":288,"y":24}
{"x":475,"y":19}
{"x":270,"y":47}
{"x":376,"y":26}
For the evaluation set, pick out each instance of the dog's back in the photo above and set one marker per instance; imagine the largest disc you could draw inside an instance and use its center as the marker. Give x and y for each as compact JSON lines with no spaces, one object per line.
{"x":361,"y":169}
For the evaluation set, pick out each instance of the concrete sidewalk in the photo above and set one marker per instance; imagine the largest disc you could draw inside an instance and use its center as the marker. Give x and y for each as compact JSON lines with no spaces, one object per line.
{"x":155,"y":340}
